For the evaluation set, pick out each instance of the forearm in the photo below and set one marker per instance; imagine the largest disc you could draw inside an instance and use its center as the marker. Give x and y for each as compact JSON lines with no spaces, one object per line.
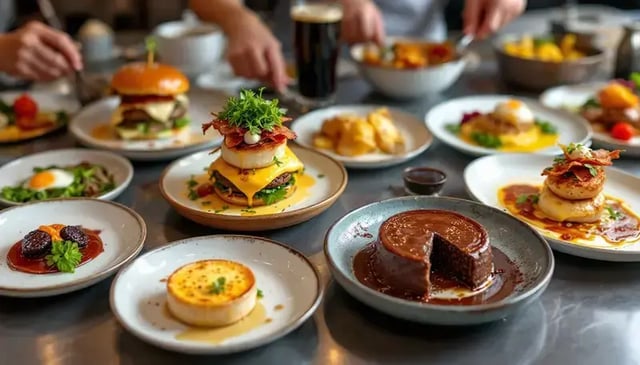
{"x":224,"y":13}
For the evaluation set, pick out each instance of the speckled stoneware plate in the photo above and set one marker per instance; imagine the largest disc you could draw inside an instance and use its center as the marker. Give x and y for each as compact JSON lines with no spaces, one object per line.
{"x":92,"y":128}
{"x":485,"y":176}
{"x":524,"y":246}
{"x":416,"y":136}
{"x":571,"y":97}
{"x":571,"y":128}
{"x":290,"y":284}
{"x":122,"y":232}
{"x":47,"y":102}
{"x":18,"y":171}
{"x":325,"y":181}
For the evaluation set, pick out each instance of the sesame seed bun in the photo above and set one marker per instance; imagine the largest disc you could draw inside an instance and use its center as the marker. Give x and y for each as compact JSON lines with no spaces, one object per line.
{"x":140,"y":78}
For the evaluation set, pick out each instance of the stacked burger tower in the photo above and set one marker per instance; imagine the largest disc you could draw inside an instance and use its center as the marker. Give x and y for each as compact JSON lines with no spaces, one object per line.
{"x":255,"y":167}
{"x":572,"y":190}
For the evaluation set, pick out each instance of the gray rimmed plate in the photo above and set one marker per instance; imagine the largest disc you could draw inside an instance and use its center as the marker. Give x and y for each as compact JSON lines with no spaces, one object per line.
{"x":523,"y":245}
{"x":290,"y":284}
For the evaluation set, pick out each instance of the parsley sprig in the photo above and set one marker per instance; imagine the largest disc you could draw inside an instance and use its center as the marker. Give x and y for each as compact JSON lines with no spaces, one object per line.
{"x":613,"y":214}
{"x":65,"y":256}
{"x":252,"y":112}
{"x":217,"y":287}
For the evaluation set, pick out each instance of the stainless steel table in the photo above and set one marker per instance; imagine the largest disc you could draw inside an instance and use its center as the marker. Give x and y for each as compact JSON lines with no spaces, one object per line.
{"x":590,"y":313}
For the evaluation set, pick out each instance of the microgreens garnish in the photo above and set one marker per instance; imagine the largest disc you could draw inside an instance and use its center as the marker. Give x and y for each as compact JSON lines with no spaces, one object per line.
{"x":252,"y":112}
{"x":248,"y":210}
{"x":523,"y":198}
{"x":260,"y":294}
{"x":613,"y":214}
{"x":217,"y":287}
{"x":191,"y":184}
{"x":224,"y":207}
{"x":546,"y":127}
{"x":592,"y":170}
{"x":277,"y":161}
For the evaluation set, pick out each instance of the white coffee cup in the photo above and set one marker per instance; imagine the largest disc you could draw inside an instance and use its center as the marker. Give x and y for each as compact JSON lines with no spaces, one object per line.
{"x":193,"y":47}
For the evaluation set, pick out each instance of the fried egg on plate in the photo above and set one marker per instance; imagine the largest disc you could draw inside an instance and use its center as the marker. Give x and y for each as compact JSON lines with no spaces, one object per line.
{"x":513,"y":112}
{"x":49,"y":179}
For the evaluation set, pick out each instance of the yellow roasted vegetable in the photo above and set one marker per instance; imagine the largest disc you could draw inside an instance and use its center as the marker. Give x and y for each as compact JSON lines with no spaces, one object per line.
{"x":543,"y":49}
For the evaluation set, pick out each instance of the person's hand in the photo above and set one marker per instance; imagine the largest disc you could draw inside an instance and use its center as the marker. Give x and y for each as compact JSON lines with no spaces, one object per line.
{"x":38,"y":52}
{"x":362,"y":22}
{"x":254,"y":52}
{"x":484,"y":17}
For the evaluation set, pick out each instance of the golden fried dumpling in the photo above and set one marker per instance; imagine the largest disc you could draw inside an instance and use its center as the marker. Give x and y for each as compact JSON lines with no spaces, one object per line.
{"x":387,"y":136}
{"x":357,"y":138}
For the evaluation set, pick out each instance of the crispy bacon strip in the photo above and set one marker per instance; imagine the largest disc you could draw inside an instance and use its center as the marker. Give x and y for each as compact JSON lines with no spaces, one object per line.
{"x":577,"y":166}
{"x":234,"y":136}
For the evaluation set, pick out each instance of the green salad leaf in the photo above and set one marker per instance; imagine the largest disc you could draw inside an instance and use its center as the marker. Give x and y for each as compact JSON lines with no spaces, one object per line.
{"x":65,"y":256}
{"x":181,"y":122}
{"x":88,"y":181}
{"x":546,"y":127}
{"x":486,"y":139}
{"x":274,"y":195}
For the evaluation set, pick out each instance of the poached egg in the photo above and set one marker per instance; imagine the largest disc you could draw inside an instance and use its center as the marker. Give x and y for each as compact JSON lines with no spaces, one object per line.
{"x":513,"y":112}
{"x":49,"y":179}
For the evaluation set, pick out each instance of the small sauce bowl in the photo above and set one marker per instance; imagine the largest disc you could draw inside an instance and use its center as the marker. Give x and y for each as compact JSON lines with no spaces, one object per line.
{"x":423,"y":180}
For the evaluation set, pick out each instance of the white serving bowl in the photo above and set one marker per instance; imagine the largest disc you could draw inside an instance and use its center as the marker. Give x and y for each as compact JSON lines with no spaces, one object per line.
{"x":194,"y":53}
{"x":408,"y":83}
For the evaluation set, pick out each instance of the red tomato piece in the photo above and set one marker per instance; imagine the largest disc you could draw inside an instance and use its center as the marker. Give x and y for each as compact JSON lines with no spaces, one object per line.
{"x":204,"y":190}
{"x":623,"y":131}
{"x":25,"y":106}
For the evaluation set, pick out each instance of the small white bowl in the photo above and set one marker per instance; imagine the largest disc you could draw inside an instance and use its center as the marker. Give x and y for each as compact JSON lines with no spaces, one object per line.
{"x":193,"y":48}
{"x":291,"y":287}
{"x":409,"y":83}
{"x":123,"y":232}
{"x":16,"y":171}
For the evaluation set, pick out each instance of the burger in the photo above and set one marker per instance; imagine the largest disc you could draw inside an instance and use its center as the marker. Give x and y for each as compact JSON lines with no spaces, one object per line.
{"x":255,"y":167}
{"x":153,"y":104}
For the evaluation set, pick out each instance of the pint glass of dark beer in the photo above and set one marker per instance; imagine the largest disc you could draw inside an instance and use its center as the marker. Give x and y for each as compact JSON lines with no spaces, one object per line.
{"x":317,"y":45}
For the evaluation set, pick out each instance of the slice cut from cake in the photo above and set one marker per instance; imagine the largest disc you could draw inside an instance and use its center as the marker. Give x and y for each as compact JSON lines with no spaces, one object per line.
{"x":412,"y":244}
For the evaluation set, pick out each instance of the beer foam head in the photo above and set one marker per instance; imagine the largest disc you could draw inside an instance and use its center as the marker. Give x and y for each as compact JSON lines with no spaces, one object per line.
{"x":317,"y":13}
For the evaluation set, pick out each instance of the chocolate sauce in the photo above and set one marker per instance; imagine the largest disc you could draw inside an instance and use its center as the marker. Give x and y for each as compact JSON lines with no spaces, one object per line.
{"x":504,"y":279}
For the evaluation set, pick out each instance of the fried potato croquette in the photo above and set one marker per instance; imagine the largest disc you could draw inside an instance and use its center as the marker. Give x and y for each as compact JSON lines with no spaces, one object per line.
{"x":352,"y":135}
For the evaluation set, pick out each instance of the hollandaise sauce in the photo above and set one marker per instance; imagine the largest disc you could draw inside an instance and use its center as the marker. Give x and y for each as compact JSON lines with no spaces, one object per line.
{"x":618,"y":226}
{"x":529,"y":141}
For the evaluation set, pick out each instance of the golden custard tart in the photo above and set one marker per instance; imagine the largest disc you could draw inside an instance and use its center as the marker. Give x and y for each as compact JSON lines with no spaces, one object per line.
{"x":211,"y":293}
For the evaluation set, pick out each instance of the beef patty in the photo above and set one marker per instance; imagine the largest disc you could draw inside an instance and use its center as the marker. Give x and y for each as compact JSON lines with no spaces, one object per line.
{"x":132,"y":117}
{"x":278,"y":181}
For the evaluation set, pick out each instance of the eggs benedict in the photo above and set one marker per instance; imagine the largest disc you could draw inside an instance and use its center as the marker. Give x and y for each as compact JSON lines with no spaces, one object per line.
{"x":255,"y":166}
{"x":572,"y":190}
{"x":153,"y":104}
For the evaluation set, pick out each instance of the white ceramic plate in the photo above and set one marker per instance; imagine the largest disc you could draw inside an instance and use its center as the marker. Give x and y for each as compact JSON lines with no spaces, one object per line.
{"x":483,"y":177}
{"x":330,"y":181}
{"x":571,"y":128}
{"x":47,"y":102}
{"x":571,"y":97}
{"x":417,"y":137}
{"x":284,"y":275}
{"x":17,"y":171}
{"x":524,"y":247}
{"x":83,"y":127}
{"x":123,"y":233}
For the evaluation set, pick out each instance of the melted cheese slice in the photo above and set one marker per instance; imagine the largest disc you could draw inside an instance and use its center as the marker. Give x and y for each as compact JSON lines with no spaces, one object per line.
{"x":249,"y":182}
{"x":160,"y":111}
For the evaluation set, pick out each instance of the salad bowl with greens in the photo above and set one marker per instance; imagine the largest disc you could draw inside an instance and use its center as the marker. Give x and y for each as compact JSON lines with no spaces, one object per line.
{"x":68,"y":173}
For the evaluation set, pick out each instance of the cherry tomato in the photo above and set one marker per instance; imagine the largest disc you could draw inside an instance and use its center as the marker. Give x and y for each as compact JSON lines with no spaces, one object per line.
{"x":623,"y":131}
{"x":204,"y":190}
{"x":25,"y":107}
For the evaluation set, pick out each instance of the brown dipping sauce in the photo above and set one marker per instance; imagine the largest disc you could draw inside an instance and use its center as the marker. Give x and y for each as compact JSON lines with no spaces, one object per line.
{"x":39,"y":266}
{"x":624,"y":229}
{"x":505,"y":278}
